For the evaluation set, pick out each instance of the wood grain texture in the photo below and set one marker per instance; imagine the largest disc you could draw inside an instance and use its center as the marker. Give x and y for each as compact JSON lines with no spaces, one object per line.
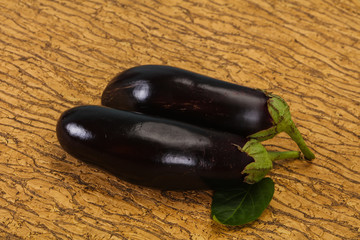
{"x":58,"y":54}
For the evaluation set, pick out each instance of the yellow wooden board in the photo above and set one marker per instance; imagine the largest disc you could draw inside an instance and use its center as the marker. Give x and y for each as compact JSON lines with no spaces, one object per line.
{"x":55,"y":55}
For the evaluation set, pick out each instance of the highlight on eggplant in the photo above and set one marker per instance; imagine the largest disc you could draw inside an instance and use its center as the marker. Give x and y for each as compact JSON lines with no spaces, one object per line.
{"x":162,"y":153}
{"x":186,"y":96}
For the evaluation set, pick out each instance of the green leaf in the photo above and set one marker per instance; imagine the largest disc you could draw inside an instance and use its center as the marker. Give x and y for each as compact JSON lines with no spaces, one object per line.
{"x":243,"y":204}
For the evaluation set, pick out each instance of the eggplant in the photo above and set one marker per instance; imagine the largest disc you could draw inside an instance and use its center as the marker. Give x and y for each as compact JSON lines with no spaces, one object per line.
{"x":162,"y":153}
{"x":181,"y":95}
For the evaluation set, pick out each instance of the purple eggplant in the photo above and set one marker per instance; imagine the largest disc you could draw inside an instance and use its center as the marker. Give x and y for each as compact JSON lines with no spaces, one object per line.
{"x":189,"y":97}
{"x":162,"y":153}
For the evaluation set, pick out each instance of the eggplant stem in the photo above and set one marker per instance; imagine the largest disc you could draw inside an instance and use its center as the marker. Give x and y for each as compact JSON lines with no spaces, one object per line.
{"x":263,"y":159}
{"x":280,"y":112}
{"x":295,"y":135}
{"x":284,"y":155}
{"x":281,"y":117}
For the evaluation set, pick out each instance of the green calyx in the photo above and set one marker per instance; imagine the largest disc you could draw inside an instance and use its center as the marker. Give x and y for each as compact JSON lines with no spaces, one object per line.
{"x":263,"y":159}
{"x":280,"y":113}
{"x":261,"y":166}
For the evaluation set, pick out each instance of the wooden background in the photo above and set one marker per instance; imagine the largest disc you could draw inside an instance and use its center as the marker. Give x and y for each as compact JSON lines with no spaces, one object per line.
{"x":58,"y":54}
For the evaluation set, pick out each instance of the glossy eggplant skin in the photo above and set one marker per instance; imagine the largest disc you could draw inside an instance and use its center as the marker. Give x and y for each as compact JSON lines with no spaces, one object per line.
{"x":153,"y":152}
{"x":186,"y":96}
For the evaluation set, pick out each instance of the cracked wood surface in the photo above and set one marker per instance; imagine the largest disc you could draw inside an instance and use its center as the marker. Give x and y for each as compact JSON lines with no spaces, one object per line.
{"x":55,"y":55}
